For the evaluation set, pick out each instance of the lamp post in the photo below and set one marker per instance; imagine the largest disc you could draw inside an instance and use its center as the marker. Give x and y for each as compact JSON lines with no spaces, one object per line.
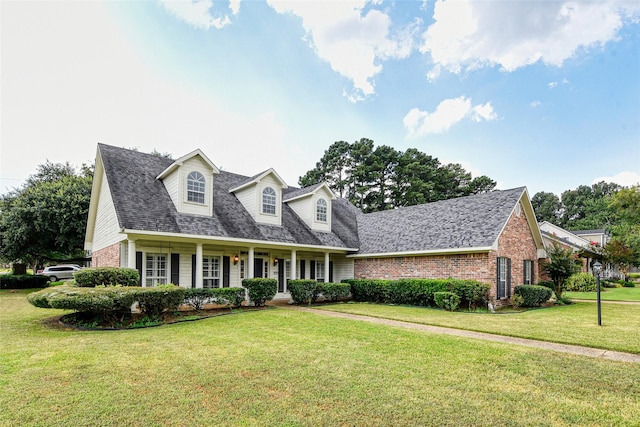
{"x":597,"y":267}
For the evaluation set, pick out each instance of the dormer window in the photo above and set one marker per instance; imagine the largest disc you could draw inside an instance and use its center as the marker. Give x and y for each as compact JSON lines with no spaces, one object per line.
{"x":321,"y":210}
{"x":269,"y":201}
{"x":195,"y":187}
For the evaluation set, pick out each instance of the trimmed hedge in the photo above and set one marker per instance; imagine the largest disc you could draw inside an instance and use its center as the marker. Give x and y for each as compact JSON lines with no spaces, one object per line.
{"x":447,"y":300}
{"x":198,"y":297}
{"x":418,"y":291}
{"x":107,"y":276}
{"x":109,"y":301}
{"x":533,"y":295}
{"x":23,"y":281}
{"x":261,"y":290}
{"x":303,"y":291}
{"x":334,"y":291}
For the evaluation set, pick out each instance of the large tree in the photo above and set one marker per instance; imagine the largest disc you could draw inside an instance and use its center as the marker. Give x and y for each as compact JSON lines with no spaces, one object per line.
{"x":381,"y":178}
{"x":624,"y":248}
{"x":547,"y":207}
{"x":47,"y":217}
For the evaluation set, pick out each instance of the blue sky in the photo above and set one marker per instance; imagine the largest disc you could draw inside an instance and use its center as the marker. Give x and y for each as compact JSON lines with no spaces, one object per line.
{"x":543,"y":94}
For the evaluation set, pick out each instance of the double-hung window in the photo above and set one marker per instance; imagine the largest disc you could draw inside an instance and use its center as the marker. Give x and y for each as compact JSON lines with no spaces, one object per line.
{"x":269,"y":201}
{"x":527,"y":272}
{"x":503,"y":278}
{"x":211,"y":272}
{"x":156,"y":269}
{"x":195,"y":187}
{"x":320,"y":271}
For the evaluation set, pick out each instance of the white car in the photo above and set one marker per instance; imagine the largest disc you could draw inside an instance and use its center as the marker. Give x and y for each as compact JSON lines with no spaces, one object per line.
{"x":60,"y":272}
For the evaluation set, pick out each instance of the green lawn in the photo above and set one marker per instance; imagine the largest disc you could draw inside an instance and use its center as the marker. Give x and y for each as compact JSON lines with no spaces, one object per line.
{"x":571,"y":324}
{"x":609,"y":294}
{"x":284,"y":367}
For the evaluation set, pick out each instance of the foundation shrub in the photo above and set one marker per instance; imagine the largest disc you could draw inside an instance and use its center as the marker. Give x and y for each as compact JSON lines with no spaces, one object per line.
{"x":447,"y":300}
{"x":334,"y":291}
{"x":23,"y":281}
{"x":229,"y":296}
{"x":580,"y":282}
{"x":471,"y":292}
{"x":107,"y":276}
{"x":303,"y":291}
{"x":533,"y":295}
{"x":261,"y":290}
{"x":547,"y":284}
{"x":155,"y":301}
{"x":369,"y":290}
{"x":105,"y":301}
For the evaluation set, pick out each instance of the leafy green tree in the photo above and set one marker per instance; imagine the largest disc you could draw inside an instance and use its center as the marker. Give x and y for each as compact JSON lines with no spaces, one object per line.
{"x":587,"y":207}
{"x":414,"y":180}
{"x":561,"y":265}
{"x":547,"y":207}
{"x":46,"y":218}
{"x":624,"y":248}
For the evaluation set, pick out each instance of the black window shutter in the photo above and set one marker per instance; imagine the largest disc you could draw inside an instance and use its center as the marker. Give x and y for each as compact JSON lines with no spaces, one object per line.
{"x":226,"y":271}
{"x":330,"y":271}
{"x":498,"y":290}
{"x":139,"y":265}
{"x":175,"y":269}
{"x":312,"y":269}
{"x":193,"y":271}
{"x":524,"y":272}
{"x":302,"y":266}
{"x":508,"y":277}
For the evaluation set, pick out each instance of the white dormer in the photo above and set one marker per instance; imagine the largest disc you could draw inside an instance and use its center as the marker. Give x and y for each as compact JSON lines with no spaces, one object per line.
{"x":313,"y":205}
{"x":189,"y":182}
{"x":261,"y":196}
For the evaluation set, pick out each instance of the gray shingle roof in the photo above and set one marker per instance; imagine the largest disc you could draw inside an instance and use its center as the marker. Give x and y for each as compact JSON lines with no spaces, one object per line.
{"x":143,"y":203}
{"x":292,"y":193}
{"x":465,"y":222}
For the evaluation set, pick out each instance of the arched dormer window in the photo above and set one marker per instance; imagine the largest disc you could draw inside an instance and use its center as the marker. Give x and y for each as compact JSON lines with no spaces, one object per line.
{"x":269,"y":201}
{"x":321,"y":210}
{"x":195,"y":187}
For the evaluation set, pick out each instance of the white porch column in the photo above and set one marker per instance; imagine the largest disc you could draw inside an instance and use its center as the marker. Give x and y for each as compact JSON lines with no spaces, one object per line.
{"x":250,"y":263}
{"x":131,"y":254}
{"x":326,"y":267}
{"x":199,"y":265}
{"x":294,"y":270}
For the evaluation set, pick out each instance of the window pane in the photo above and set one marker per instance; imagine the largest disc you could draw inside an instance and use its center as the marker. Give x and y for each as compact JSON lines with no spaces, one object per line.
{"x":269,"y":201}
{"x":321,"y":210}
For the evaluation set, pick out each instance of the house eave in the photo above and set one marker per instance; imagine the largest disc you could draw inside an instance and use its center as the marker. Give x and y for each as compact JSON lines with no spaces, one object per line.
{"x":136,"y":234}
{"x":451,"y":251}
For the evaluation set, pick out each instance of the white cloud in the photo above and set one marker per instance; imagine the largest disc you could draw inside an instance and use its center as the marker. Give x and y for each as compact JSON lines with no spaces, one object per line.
{"x":199,"y":14}
{"x":512,"y":34}
{"x":626,"y":179}
{"x":447,"y":113}
{"x":535,"y":104}
{"x":352,"y":41}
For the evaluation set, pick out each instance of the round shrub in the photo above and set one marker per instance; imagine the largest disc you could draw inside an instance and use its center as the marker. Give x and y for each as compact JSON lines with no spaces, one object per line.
{"x":447,"y":300}
{"x":581,"y":282}
{"x":471,"y":292}
{"x":107,"y":276}
{"x":261,"y":290}
{"x":533,"y":295}
{"x":302,"y":291}
{"x":155,"y":301}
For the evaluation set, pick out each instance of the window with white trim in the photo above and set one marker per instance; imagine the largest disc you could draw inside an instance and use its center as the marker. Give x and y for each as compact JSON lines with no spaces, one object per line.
{"x":156,"y":269}
{"x":503,"y":279}
{"x":528,"y":272}
{"x":321,"y":210}
{"x":211,"y":272}
{"x":269,"y":201}
{"x":319,"y":271}
{"x":195,"y":187}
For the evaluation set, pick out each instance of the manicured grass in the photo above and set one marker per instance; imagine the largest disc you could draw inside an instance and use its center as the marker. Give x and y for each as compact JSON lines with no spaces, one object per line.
{"x":284,"y":367}
{"x":572,"y":324}
{"x":609,"y":294}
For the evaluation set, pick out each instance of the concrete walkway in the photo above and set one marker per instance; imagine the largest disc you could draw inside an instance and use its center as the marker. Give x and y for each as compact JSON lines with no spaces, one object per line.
{"x":563,"y":348}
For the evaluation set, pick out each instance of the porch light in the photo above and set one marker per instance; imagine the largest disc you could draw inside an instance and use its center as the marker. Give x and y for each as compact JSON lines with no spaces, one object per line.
{"x":236,"y":258}
{"x":275,"y":262}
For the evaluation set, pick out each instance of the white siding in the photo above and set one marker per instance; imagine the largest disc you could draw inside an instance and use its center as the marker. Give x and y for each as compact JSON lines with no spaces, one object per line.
{"x":107,"y":230}
{"x":196,"y":164}
{"x":342,"y":269}
{"x":322,"y":193}
{"x":247,"y":196}
{"x":302,"y":207}
{"x":171,"y":184}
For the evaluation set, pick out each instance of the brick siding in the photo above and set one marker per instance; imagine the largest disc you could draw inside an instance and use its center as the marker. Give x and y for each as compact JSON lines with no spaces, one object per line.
{"x":515,"y":242}
{"x":106,"y":257}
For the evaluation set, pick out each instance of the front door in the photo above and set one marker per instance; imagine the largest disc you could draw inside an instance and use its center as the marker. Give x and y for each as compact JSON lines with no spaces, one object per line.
{"x":281,"y":276}
{"x":258,"y":267}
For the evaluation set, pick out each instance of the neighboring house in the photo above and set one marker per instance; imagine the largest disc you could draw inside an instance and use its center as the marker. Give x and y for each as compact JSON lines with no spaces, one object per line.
{"x":581,"y":242}
{"x":186,"y":222}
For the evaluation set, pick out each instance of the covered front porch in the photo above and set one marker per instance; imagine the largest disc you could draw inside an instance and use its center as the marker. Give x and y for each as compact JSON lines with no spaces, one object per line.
{"x":208,"y":263}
